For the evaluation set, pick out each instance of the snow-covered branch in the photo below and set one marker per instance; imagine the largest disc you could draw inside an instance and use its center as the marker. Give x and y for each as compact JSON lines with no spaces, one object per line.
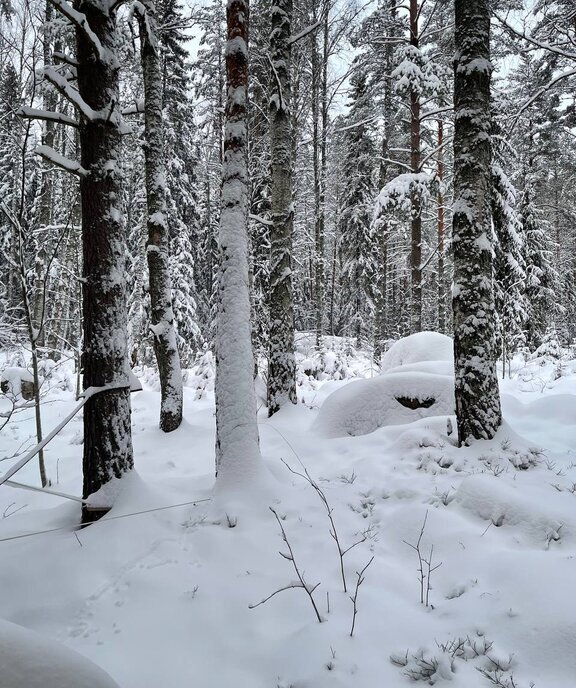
{"x":78,"y":19}
{"x":62,"y":85}
{"x":436,"y":112}
{"x":58,"y":56}
{"x":541,"y":91}
{"x":52,"y":156}
{"x":305,"y":32}
{"x":137,"y":108}
{"x":261,"y":220}
{"x":543,"y":45}
{"x":46,"y":115}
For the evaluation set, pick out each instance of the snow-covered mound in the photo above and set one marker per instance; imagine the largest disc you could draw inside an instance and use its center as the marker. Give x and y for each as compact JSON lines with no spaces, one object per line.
{"x":422,"y":346}
{"x":11,"y":379}
{"x":395,"y":399}
{"x":28,"y":660}
{"x":418,"y":382}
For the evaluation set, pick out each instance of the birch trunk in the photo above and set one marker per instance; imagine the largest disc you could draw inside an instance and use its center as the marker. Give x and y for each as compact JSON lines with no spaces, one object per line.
{"x":237,"y":447}
{"x":107,"y":432}
{"x":477,"y":398}
{"x":281,"y":361}
{"x":157,"y":247}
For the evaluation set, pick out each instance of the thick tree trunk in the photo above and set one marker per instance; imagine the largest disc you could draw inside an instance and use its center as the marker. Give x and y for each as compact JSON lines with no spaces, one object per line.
{"x":281,"y":362}
{"x":107,"y":432}
{"x":158,"y":245}
{"x":416,"y":224}
{"x":237,"y":446}
{"x":477,"y":397}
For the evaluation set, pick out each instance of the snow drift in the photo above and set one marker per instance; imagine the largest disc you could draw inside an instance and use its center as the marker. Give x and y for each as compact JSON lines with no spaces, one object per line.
{"x":28,"y":660}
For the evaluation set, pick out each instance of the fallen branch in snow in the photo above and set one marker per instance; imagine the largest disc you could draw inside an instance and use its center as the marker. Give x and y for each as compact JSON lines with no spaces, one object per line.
{"x":301,"y":583}
{"x":333,"y":532}
{"x":354,"y":597}
{"x":87,"y":394}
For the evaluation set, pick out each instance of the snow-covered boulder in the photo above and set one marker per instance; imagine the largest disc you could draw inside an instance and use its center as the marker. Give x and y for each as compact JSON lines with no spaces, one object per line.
{"x":397,"y":398}
{"x":28,"y":660}
{"x":422,"y":346}
{"x":418,"y":382}
{"x":18,"y":382}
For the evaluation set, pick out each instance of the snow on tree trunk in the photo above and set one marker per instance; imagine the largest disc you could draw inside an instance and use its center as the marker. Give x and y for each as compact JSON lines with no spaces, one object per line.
{"x":157,"y":248}
{"x":440,"y":230}
{"x":416,"y":222}
{"x":477,"y":397}
{"x":107,"y":432}
{"x":237,"y":445}
{"x":281,"y":362}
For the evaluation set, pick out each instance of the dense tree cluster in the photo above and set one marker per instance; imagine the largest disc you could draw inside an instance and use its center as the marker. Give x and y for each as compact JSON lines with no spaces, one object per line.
{"x":164,"y":171}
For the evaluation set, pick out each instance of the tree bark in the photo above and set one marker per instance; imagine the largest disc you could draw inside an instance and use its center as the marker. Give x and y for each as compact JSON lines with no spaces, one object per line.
{"x":107,"y":432}
{"x":477,"y":398}
{"x":416,"y":223}
{"x":158,"y":245}
{"x":440,"y":202}
{"x":281,"y":361}
{"x":237,"y":446}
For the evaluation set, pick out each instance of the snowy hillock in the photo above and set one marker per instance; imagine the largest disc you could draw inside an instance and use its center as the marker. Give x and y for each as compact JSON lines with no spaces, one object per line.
{"x":29,"y":660}
{"x":416,"y":348}
{"x":418,"y":382}
{"x":469,"y":551}
{"x":393,"y":399}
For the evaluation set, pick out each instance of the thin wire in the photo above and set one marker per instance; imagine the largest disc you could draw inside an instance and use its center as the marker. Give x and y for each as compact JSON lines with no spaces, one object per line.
{"x":111,"y":518}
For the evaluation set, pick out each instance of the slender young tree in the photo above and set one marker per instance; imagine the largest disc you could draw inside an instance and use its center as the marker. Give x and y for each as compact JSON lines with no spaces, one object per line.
{"x":477,"y":397}
{"x":237,"y":445}
{"x":415,"y":158}
{"x":157,"y":249}
{"x":281,"y":362}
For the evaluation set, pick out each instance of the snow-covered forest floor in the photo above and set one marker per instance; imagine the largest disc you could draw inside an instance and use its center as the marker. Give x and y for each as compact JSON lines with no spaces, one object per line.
{"x":163,"y":598}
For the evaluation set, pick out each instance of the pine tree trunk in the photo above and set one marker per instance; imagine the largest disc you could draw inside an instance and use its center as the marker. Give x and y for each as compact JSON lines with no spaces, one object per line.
{"x":107,"y":432}
{"x":281,"y":362}
{"x":158,"y":246}
{"x":440,"y":201}
{"x":237,"y":447}
{"x":318,"y":210}
{"x":477,"y":398}
{"x":416,"y":224}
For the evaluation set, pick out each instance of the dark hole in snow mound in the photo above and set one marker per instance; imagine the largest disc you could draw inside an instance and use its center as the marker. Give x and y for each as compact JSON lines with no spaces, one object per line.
{"x":414,"y":404}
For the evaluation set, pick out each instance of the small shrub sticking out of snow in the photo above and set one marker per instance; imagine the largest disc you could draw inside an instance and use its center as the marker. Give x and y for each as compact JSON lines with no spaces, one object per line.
{"x":432,"y":668}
